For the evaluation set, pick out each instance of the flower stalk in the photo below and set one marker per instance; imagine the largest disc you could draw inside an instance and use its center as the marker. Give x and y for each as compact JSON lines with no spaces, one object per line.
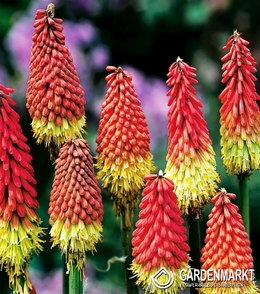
{"x":240,"y":117}
{"x":75,"y":281}
{"x":159,"y":240}
{"x":20,"y":231}
{"x":123,"y":154}
{"x":227,"y":247}
{"x":190,"y":159}
{"x":55,"y":98}
{"x":75,"y":208}
{"x":123,"y":142}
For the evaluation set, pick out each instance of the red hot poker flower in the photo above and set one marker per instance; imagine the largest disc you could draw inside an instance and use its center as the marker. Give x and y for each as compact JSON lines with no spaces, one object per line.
{"x":227,"y":247}
{"x":20,"y":230}
{"x":123,"y":142}
{"x":239,"y":113}
{"x":75,"y":208}
{"x":55,"y":99}
{"x":191,"y":163}
{"x":159,"y":240}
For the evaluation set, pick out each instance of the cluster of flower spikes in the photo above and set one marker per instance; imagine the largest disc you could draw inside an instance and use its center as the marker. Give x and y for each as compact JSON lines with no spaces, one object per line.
{"x":239,"y":113}
{"x":190,"y":159}
{"x":55,"y":98}
{"x":75,"y":208}
{"x":159,"y":240}
{"x":123,"y":142}
{"x":20,"y":231}
{"x":227,"y":247}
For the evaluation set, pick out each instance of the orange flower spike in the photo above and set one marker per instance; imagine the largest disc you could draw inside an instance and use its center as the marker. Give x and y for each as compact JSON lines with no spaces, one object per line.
{"x":55,"y":99}
{"x":227,"y":247}
{"x":239,"y":113}
{"x":190,"y":159}
{"x":123,"y":142}
{"x":159,"y":240}
{"x":75,"y":208}
{"x":18,"y":200}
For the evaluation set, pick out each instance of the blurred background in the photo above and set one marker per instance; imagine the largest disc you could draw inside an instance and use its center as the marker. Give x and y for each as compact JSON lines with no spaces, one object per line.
{"x":145,"y":38}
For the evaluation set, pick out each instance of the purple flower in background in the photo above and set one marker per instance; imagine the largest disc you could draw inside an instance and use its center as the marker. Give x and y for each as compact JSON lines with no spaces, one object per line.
{"x":99,"y":57}
{"x":50,"y":283}
{"x":41,"y":4}
{"x":80,"y":35}
{"x":75,"y":42}
{"x":47,"y":283}
{"x":18,"y":41}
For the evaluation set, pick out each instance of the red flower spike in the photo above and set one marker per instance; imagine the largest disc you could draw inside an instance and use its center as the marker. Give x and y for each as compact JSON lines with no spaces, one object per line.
{"x":55,"y":99}
{"x":159,"y":239}
{"x":227,"y":247}
{"x":239,"y":113}
{"x":75,"y":208}
{"x":17,"y":198}
{"x":190,"y":159}
{"x":123,"y":142}
{"x":32,"y":291}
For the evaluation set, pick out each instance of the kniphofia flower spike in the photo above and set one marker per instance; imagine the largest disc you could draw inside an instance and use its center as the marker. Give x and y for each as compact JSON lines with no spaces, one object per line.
{"x":55,"y":98}
{"x":239,"y":113}
{"x":227,"y":247}
{"x":75,"y":208}
{"x":159,"y":240}
{"x":20,"y":231}
{"x":123,"y":142}
{"x":190,"y":159}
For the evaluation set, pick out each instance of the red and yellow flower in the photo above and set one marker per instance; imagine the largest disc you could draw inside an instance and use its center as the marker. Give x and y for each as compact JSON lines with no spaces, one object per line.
{"x":75,"y":208}
{"x":20,"y":231}
{"x":239,"y":113}
{"x":55,"y":98}
{"x":159,"y":240}
{"x":190,"y":159}
{"x":227,"y":247}
{"x":123,"y":142}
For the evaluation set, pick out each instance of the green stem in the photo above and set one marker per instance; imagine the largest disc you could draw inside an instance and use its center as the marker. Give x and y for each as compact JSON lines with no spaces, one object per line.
{"x":195,"y":245}
{"x":244,"y":198}
{"x":127,"y":227}
{"x":75,"y":281}
{"x":72,"y":281}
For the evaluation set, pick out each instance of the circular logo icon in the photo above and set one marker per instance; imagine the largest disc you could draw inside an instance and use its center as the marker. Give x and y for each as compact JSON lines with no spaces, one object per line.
{"x":168,"y":278}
